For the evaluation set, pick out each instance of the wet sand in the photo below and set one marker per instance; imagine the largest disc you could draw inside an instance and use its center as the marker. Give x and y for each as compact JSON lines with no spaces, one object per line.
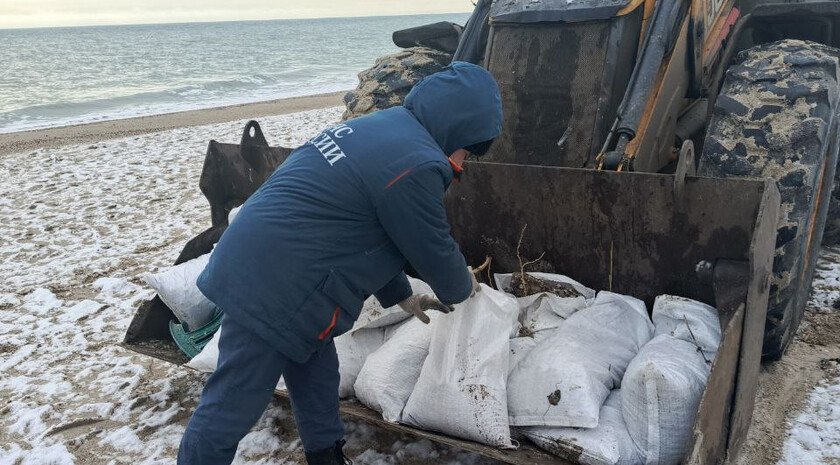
{"x":95,"y":132}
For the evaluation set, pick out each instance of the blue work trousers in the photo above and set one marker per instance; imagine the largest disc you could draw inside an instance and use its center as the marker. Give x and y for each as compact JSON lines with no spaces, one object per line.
{"x":237,"y":393}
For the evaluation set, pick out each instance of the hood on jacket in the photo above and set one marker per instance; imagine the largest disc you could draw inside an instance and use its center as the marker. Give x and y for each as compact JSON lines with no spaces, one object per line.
{"x":459,"y":106}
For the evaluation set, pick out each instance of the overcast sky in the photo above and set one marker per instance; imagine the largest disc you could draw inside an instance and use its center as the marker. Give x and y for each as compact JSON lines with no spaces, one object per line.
{"x":47,"y":13}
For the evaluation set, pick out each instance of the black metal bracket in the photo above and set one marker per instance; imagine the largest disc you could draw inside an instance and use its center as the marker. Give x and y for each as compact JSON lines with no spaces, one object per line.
{"x":685,"y":167}
{"x":730,"y":281}
{"x":252,"y":135}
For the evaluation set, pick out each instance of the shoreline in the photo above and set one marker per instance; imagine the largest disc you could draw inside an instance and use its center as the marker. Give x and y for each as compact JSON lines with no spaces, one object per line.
{"x":34,"y":139}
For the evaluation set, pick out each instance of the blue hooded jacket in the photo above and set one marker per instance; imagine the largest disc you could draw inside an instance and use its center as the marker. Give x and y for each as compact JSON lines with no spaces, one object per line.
{"x":338,"y":220}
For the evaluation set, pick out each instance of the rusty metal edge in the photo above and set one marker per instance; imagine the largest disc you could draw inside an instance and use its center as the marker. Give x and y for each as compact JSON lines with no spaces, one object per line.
{"x":713,"y":412}
{"x":762,"y":251}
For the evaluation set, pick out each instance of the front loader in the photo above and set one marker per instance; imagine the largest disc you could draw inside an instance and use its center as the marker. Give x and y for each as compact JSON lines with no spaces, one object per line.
{"x":682,"y":147}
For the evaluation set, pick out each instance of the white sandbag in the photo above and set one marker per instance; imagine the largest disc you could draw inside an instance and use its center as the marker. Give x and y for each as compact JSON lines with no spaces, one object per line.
{"x":541,"y":313}
{"x":520,"y":347}
{"x":675,"y":315}
{"x":566,"y":378}
{"x":461,"y":390}
{"x":660,"y":395}
{"x":233,"y":213}
{"x":207,"y":360}
{"x":374,"y":316}
{"x":534,"y":306}
{"x":389,"y":374}
{"x":608,"y":443}
{"x":353,"y":349}
{"x":177,"y":289}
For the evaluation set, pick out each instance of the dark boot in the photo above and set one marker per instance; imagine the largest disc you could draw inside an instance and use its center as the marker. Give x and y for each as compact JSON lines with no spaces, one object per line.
{"x":330,"y":456}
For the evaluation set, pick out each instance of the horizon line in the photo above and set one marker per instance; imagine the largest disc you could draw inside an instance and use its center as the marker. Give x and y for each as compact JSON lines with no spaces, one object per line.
{"x":174,"y":23}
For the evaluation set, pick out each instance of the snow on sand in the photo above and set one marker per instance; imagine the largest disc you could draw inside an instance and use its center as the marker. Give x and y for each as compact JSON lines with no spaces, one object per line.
{"x":79,"y":224}
{"x":814,"y":432}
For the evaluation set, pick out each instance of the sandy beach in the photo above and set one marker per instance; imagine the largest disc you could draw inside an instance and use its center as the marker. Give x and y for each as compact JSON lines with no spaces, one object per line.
{"x":93,"y":132}
{"x":88,"y":209}
{"x":81,"y":224}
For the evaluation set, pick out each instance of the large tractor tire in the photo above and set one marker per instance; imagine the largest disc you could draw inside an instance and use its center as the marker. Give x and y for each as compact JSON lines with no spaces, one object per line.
{"x":831,"y":236}
{"x":391,"y":78}
{"x":776,"y":116}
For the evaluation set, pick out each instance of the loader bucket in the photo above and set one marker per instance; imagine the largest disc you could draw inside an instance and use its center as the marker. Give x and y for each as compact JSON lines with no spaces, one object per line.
{"x":231,"y":173}
{"x":628,"y":232}
{"x":633,"y":233}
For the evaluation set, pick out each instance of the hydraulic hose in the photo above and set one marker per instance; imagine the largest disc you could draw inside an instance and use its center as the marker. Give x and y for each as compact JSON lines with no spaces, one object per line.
{"x":659,"y":40}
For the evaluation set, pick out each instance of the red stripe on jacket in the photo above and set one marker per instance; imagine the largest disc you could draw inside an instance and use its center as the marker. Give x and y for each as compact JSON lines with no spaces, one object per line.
{"x":329,"y":329}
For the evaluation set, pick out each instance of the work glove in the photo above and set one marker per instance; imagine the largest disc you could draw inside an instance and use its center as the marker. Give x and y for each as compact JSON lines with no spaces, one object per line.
{"x":417,"y":304}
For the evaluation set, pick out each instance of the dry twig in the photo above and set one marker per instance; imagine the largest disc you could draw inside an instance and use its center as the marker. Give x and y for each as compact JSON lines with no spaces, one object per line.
{"x":483,"y":266}
{"x":523,"y":280}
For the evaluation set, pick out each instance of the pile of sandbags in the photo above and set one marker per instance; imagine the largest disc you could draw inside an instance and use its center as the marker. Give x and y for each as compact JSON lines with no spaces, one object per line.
{"x":663,"y":384}
{"x":566,"y":378}
{"x":650,"y":376}
{"x":589,"y":377}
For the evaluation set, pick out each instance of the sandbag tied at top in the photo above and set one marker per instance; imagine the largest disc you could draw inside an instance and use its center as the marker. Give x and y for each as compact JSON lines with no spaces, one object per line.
{"x":608,"y":443}
{"x":461,"y":390}
{"x":664,"y":383}
{"x":566,"y":378}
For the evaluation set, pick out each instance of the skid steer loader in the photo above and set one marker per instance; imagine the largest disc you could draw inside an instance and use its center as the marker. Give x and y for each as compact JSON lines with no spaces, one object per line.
{"x":605,"y":102}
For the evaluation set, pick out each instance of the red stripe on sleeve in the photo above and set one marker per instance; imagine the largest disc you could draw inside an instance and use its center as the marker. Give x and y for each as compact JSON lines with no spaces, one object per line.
{"x":397,"y":178}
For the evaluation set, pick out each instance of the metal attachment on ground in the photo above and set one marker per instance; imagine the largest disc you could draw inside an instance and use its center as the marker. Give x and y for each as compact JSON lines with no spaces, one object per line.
{"x":685,"y":167}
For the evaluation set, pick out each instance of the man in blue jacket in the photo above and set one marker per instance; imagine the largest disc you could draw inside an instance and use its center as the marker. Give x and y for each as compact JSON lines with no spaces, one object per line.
{"x":336,"y":223}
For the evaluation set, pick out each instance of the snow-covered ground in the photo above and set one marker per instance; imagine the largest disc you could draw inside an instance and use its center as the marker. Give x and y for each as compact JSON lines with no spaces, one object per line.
{"x":814,"y":434}
{"x":79,"y":224}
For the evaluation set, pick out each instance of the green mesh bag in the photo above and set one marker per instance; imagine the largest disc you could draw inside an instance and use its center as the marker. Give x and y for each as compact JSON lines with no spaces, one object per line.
{"x":191,"y":342}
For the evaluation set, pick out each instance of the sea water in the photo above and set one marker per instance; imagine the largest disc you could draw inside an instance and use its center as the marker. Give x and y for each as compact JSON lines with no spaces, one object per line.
{"x":59,"y":76}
